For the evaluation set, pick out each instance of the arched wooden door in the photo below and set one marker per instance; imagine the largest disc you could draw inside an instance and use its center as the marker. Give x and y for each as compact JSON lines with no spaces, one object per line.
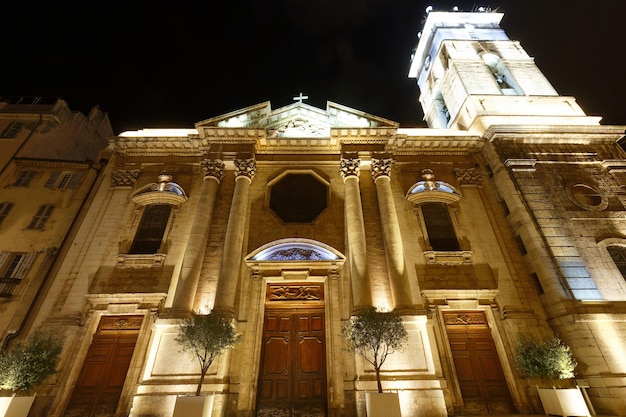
{"x":292,"y":379}
{"x":481,"y":379}
{"x":99,"y":386}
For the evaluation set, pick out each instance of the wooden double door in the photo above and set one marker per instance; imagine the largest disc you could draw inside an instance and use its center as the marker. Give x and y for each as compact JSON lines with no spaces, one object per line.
{"x":479,"y":371}
{"x":292,"y":380}
{"x":101,"y":380}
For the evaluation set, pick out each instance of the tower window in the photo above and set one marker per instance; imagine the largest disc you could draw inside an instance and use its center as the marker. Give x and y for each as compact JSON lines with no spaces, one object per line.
{"x":442,"y":110}
{"x":500,"y":72}
{"x":151,"y":229}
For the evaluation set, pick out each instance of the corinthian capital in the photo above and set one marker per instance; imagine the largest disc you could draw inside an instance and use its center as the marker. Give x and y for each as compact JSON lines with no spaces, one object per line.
{"x":381,"y":167}
{"x":349,"y":167}
{"x":213,"y":168}
{"x":245,"y":168}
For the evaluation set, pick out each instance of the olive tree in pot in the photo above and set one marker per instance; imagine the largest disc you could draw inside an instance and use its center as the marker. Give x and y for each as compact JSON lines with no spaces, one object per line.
{"x":374,"y":335}
{"x":205,"y":337}
{"x":27,"y":363}
{"x":550,"y":359}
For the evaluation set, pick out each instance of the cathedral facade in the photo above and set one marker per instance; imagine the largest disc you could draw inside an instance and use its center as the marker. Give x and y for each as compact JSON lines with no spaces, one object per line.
{"x":505,"y":217}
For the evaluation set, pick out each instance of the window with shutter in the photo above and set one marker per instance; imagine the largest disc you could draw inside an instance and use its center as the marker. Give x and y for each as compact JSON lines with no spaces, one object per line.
{"x":42,"y":216}
{"x":64,"y":179}
{"x":23,"y":179}
{"x":14,"y":267}
{"x":5,"y":208}
{"x":12,"y":130}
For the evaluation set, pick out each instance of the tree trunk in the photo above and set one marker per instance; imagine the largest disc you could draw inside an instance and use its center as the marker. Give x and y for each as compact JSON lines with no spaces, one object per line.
{"x":202,"y":374}
{"x":380,"y":386}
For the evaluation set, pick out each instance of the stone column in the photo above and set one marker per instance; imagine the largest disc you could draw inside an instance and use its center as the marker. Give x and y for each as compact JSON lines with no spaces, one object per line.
{"x":194,"y":253}
{"x":245,"y":169}
{"x":355,"y":229}
{"x":394,"y":249}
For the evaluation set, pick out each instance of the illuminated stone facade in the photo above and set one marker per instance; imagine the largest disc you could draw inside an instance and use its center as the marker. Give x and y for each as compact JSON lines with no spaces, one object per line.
{"x":504,"y":217}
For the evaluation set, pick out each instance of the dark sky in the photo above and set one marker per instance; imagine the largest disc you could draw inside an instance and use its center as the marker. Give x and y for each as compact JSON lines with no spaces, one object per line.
{"x":174,"y":63}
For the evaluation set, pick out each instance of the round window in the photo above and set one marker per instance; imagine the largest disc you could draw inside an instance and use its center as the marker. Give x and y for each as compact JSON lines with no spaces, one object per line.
{"x":587,"y":197}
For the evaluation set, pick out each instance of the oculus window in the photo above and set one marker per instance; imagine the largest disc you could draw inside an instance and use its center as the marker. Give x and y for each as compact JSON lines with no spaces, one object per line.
{"x":298,"y":197}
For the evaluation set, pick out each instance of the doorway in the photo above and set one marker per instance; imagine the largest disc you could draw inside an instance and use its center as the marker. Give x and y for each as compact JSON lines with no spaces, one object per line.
{"x":99,"y":385}
{"x":480,"y":375}
{"x":292,"y":379}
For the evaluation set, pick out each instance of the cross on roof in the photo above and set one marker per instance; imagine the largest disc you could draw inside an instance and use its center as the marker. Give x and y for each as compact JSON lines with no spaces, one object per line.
{"x":300,"y":98}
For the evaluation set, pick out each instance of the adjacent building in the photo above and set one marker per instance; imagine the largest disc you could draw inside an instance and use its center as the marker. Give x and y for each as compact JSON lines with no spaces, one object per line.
{"x":504,"y":217}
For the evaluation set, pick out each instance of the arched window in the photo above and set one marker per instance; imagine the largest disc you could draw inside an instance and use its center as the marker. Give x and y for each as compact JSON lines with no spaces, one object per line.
{"x":434,"y":202}
{"x":442,"y":110}
{"x":441,"y":234}
{"x":159,"y":200}
{"x":618,"y":254}
{"x":151,"y":229}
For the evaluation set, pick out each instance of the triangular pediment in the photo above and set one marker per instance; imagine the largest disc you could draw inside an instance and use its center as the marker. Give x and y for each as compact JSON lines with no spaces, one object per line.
{"x":297,"y":120}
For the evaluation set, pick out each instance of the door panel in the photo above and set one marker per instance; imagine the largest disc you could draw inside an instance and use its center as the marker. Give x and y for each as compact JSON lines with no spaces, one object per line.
{"x":101,"y":380}
{"x":479,"y":371}
{"x":293,"y":368}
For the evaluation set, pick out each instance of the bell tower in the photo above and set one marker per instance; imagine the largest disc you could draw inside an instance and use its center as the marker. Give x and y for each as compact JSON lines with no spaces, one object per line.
{"x":472,"y":76}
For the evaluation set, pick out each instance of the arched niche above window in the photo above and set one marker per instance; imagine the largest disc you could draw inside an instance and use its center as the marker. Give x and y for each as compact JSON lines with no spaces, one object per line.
{"x":299,"y":256}
{"x":164,"y":191}
{"x":430,"y":190}
{"x":295,"y":250}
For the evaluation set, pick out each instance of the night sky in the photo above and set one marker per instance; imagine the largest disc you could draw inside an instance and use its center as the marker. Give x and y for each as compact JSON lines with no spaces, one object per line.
{"x":175,"y":63}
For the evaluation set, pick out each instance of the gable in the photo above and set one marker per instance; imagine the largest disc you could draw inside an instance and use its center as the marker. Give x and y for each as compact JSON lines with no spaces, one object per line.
{"x":297,"y":120}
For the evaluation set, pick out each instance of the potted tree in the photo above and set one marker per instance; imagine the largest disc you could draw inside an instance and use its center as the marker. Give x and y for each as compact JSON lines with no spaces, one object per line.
{"x":26,"y":364}
{"x":552,"y":360}
{"x":374,"y":335}
{"x":205,"y":337}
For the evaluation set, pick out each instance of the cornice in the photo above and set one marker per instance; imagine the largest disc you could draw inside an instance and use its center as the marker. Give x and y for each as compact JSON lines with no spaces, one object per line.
{"x":559,"y":134}
{"x":435,"y":145}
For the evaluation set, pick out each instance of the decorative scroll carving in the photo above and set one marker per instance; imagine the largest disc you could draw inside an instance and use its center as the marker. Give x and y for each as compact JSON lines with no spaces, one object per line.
{"x":276,"y":292}
{"x":245,"y":168}
{"x":429,"y":179}
{"x":296,"y":254}
{"x":381,"y":167}
{"x":468,"y":176}
{"x":465,"y":318}
{"x":124,"y":178}
{"x":349,"y":167}
{"x":213,"y":168}
{"x":120,"y":323}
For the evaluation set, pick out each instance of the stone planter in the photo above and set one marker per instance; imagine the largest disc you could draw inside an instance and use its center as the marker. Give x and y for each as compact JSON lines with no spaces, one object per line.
{"x":16,"y":406}
{"x":385,"y":404}
{"x":563,"y":401}
{"x":194,"y":406}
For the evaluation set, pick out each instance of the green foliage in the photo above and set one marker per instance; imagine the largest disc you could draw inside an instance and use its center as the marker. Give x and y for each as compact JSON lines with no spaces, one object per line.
{"x":374,"y":335}
{"x":206,"y":336}
{"x":29,"y":361}
{"x":544,"y":358}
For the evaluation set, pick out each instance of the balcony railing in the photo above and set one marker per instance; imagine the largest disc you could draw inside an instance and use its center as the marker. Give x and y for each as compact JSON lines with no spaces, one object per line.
{"x":7,"y":286}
